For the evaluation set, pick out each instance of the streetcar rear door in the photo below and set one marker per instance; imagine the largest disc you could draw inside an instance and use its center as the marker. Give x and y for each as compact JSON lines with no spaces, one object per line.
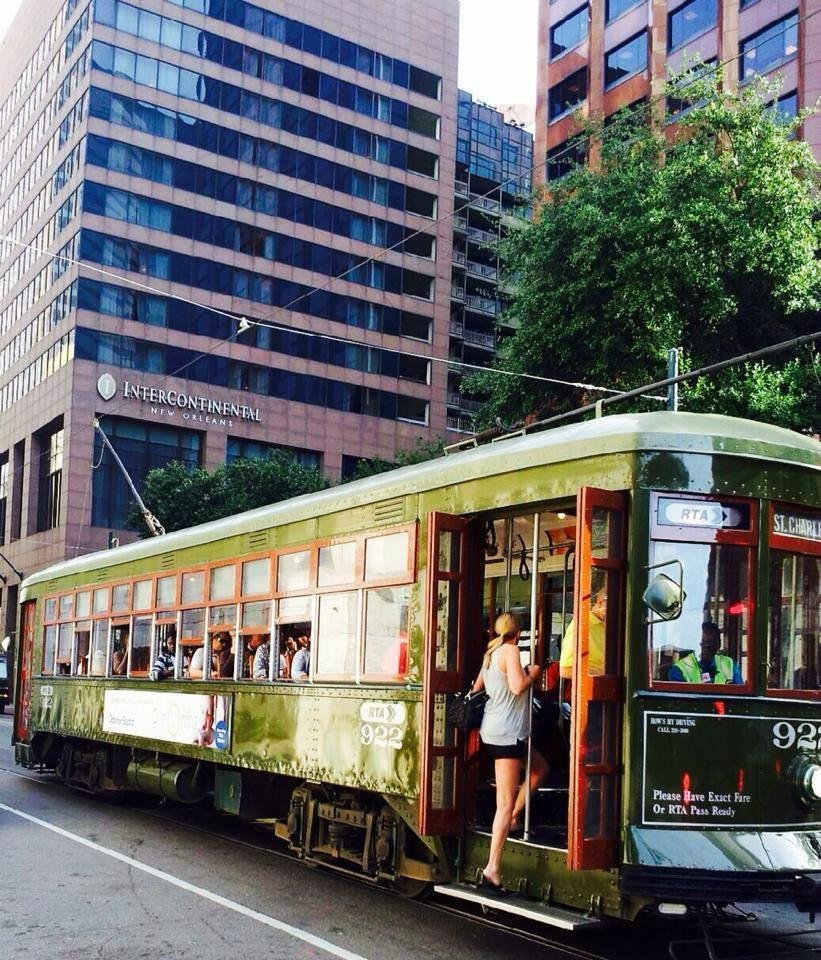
{"x":22,"y":686}
{"x":598,"y":682}
{"x":446,"y":627}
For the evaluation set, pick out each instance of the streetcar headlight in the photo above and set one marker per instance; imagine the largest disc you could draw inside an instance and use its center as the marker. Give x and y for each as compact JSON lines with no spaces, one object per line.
{"x":806,"y":777}
{"x":813,"y":781}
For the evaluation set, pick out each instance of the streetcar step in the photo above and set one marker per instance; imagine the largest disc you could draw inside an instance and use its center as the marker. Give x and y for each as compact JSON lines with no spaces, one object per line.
{"x":539,"y":912}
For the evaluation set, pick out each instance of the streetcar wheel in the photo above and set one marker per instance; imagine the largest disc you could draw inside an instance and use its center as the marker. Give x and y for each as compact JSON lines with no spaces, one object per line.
{"x":411,"y":889}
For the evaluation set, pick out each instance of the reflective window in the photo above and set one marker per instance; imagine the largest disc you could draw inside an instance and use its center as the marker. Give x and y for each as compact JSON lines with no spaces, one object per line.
{"x":222,"y":582}
{"x":120,"y":597}
{"x":615,"y":8}
{"x":101,"y":600}
{"x":386,"y":557}
{"x":256,"y":576}
{"x":82,"y":643}
{"x":569,"y":33}
{"x":337,"y":564}
{"x":295,"y":609}
{"x":193,"y":587}
{"x":193,"y":624}
{"x":336,"y":634}
{"x":628,"y":58}
{"x":142,"y":594}
{"x":690,"y":20}
{"x":709,"y":642}
{"x":83,"y":604}
{"x":65,"y":636}
{"x":794,"y":635}
{"x":141,"y":646}
{"x":386,"y":631}
{"x":99,"y":648}
{"x":293,"y":571}
{"x":769,"y":47}
{"x":568,"y":94}
{"x":166,"y":592}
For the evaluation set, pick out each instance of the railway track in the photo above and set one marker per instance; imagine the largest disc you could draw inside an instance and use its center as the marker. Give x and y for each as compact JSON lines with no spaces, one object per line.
{"x":721,"y":938}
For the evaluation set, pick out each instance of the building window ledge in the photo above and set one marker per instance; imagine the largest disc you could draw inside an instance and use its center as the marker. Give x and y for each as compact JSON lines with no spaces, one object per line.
{"x":564,"y":53}
{"x":568,"y":113}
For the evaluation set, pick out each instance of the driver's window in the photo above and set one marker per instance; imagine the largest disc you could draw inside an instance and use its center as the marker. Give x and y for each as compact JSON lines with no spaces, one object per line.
{"x":708,"y":642}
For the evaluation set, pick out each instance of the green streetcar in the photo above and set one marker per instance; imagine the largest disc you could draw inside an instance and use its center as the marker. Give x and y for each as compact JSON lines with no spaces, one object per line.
{"x":669,"y":788}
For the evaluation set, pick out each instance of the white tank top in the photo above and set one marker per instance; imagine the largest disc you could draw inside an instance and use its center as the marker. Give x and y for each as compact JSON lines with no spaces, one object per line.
{"x":506,"y":718}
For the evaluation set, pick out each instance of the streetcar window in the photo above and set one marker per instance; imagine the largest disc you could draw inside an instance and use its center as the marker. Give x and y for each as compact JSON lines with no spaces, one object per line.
{"x":336,"y":634}
{"x":140,"y":646}
{"x":293,"y":571}
{"x":166,"y":592}
{"x":794,"y":629}
{"x":256,"y":576}
{"x":49,"y":649}
{"x":386,"y":632}
{"x":64,"y":639}
{"x":82,"y":641}
{"x":66,"y":606}
{"x":222,"y":583}
{"x":337,"y":564}
{"x":711,"y":637}
{"x":254,"y":627}
{"x":193,"y":587}
{"x":142,"y":595}
{"x":120,"y":597}
{"x":50,"y":610}
{"x":119,"y":649}
{"x":294,"y":609}
{"x":82,"y":604}
{"x":99,"y":647}
{"x":223,"y":617}
{"x":193,"y":624}
{"x":101,"y":600}
{"x":386,"y":558}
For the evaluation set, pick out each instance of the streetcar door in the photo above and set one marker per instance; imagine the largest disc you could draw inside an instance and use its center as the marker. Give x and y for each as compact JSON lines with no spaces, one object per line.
{"x":440,"y":807}
{"x":22,"y":685}
{"x":598,"y":683}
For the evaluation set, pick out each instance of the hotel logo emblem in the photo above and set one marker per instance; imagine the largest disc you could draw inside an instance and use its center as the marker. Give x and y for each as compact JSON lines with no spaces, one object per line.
{"x":106,"y":386}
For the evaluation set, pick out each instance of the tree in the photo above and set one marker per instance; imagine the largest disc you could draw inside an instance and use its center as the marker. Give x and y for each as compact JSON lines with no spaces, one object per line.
{"x":179,"y":497}
{"x":706,"y":242}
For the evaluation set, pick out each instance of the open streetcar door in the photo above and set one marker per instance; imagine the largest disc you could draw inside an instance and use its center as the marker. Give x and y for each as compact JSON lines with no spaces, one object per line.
{"x":595,"y":758}
{"x":440,"y":802}
{"x":22,"y":686}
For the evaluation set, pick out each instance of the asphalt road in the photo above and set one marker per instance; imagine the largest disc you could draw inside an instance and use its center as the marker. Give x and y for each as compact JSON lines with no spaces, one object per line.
{"x":87,"y":879}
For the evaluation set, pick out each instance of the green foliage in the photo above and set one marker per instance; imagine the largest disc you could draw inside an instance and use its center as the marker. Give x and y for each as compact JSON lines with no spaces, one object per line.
{"x":182,"y":498}
{"x":404,"y":458}
{"x":708,"y":243}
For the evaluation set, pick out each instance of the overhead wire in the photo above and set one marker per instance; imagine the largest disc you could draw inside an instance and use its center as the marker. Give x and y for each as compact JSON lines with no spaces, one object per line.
{"x":268,"y":321}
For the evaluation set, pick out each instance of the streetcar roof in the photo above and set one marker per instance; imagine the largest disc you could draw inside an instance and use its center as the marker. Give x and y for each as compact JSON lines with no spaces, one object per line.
{"x":621,"y":433}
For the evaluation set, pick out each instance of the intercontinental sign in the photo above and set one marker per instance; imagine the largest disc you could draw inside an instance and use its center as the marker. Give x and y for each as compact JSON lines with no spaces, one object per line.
{"x":190,"y":407}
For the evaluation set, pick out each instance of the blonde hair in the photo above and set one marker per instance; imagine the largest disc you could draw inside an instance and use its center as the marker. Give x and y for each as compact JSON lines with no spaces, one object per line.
{"x":507,"y":626}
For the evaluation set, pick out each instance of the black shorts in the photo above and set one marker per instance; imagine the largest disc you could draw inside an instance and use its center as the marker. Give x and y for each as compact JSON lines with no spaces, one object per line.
{"x":508,"y":751}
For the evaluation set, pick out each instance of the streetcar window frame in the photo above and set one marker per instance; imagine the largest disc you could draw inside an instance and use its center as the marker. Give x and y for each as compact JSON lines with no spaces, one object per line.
{"x":786,"y":545}
{"x":746,"y":538}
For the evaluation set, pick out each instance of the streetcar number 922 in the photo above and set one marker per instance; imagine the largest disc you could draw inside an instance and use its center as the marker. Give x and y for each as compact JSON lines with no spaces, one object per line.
{"x":805,"y":736}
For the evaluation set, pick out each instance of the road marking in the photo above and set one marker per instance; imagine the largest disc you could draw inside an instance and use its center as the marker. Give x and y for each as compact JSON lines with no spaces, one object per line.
{"x":280,"y":925}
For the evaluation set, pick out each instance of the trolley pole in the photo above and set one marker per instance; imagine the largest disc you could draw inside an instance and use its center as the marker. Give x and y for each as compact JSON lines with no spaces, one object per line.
{"x":672,"y":371}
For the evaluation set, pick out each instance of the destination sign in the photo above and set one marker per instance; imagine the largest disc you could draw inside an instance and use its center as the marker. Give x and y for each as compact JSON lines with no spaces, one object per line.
{"x":710,"y":514}
{"x":793,"y":523}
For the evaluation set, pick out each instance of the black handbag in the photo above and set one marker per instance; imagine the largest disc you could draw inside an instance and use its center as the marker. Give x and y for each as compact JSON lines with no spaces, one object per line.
{"x":466,"y":710}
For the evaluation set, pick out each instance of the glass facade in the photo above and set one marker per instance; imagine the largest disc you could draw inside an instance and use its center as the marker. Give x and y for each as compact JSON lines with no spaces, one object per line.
{"x":690,"y":20}
{"x":615,"y":8}
{"x":247,"y":194}
{"x":278,"y":115}
{"x":147,"y":357}
{"x":240,"y":448}
{"x":626,"y":59}
{"x":217,"y":48}
{"x":320,"y":43}
{"x":569,"y":33}
{"x":141,"y":447}
{"x":765,"y":50}
{"x":567,"y":95}
{"x":262,"y":154}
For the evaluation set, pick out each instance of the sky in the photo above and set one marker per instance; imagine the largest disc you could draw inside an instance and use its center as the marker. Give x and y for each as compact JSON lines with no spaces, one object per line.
{"x":497,"y":56}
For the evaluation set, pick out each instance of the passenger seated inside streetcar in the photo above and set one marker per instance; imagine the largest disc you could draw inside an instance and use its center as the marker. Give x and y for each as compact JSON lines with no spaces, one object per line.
{"x":287,"y":649}
{"x":119,"y":655}
{"x":222,"y":658}
{"x":301,"y":664}
{"x":257,"y":657}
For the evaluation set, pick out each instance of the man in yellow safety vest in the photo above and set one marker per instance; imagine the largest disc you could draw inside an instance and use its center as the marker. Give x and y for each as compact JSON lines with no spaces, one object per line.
{"x":710,"y":666}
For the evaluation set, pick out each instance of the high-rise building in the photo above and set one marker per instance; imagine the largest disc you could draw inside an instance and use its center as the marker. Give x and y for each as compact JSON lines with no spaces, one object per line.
{"x":168,"y":167}
{"x":494,"y":158}
{"x":602,"y":55}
